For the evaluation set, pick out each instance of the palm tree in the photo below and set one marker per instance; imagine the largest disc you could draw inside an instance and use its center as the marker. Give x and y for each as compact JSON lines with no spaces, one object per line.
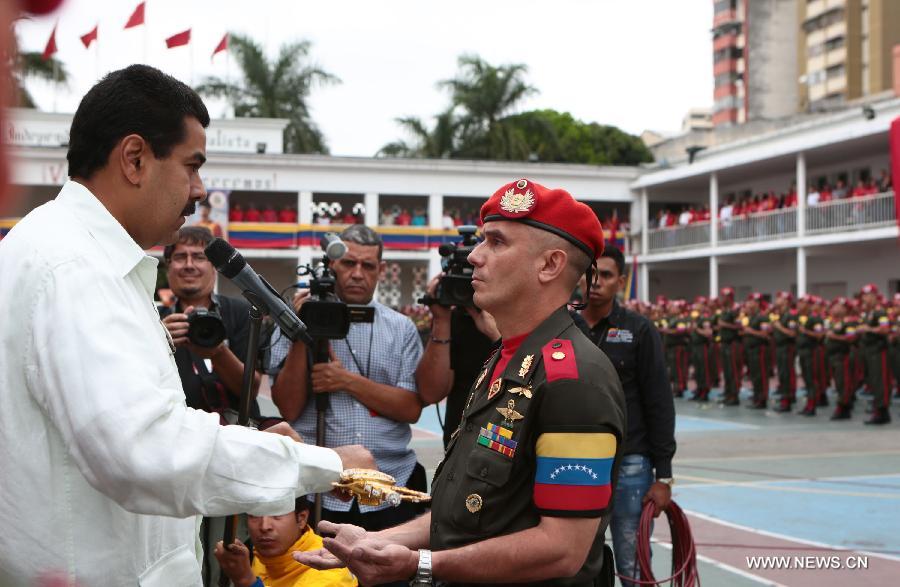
{"x":436,"y":143}
{"x":32,"y":65}
{"x":486,"y":94}
{"x":274,"y":89}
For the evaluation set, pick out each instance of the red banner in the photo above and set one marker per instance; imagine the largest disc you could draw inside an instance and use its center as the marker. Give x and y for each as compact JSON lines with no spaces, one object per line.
{"x":137,"y":17}
{"x":179,"y":40}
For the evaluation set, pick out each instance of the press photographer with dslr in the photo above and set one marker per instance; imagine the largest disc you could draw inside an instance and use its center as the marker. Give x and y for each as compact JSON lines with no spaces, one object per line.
{"x":369,"y":380}
{"x":211,"y":333}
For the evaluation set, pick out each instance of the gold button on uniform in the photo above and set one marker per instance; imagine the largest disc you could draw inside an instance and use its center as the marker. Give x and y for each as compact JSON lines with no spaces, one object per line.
{"x":474,"y":503}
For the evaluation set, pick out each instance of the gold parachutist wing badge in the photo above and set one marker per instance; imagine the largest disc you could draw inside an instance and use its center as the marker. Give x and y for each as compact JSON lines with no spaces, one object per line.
{"x":509,"y":413}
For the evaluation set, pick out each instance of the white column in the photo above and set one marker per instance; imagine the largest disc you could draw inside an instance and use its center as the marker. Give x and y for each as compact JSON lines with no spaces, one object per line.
{"x":435,"y":222}
{"x":645,"y":225}
{"x":370,"y":201}
{"x":304,"y":215}
{"x":644,"y":282}
{"x":713,"y":215}
{"x":801,"y":200}
{"x":801,"y":271}
{"x":713,"y":276}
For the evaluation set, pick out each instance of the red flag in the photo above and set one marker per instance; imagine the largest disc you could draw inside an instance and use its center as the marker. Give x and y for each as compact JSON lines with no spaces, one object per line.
{"x":90,"y":37}
{"x":178,"y":40}
{"x":137,"y":17}
{"x":50,"y":49}
{"x":894,"y":139}
{"x":222,"y":46}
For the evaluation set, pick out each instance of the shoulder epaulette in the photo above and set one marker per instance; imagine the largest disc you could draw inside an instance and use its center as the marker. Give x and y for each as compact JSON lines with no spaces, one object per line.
{"x":559,"y":360}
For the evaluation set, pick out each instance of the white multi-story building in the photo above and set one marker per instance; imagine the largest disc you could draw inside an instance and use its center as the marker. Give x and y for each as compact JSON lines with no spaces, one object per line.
{"x":825,"y":248}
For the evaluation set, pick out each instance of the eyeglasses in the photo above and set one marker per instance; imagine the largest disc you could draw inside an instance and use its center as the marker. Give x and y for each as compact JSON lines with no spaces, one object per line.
{"x":181,"y":258}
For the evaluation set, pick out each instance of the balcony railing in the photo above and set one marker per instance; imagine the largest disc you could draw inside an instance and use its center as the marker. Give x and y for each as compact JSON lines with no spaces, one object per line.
{"x":759,"y":226}
{"x":852,"y":214}
{"x":679,"y":237}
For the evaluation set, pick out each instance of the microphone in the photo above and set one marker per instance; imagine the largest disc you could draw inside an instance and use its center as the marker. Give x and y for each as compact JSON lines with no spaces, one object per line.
{"x":257,"y":290}
{"x":333,"y":246}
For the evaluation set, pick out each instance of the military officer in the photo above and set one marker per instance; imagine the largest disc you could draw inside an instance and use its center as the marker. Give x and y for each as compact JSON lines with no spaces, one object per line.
{"x":535,"y":458}
{"x":840,"y":334}
{"x":756,"y":333}
{"x":810,"y":335}
{"x":874,"y":330}
{"x":701,"y":342}
{"x":894,"y":340}
{"x":729,"y":335}
{"x":676,"y":330}
{"x":784,"y":324}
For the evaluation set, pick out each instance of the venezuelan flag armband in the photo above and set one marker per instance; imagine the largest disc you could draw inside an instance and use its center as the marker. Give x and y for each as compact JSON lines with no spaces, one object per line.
{"x":574,"y":473}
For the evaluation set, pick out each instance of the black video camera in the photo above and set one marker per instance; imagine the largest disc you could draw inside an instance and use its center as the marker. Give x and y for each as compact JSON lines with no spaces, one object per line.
{"x":205,"y":328}
{"x":455,"y":286}
{"x":325,"y":316}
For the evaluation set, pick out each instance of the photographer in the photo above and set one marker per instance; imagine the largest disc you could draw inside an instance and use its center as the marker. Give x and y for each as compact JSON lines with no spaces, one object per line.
{"x":461,"y":339}
{"x":211,"y":375}
{"x":211,"y":372}
{"x":370,"y":381}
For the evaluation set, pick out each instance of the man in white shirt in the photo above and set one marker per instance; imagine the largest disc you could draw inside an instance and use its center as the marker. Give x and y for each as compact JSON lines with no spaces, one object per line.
{"x":104,"y":470}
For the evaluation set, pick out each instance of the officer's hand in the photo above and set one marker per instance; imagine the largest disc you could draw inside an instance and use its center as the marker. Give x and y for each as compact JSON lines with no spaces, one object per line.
{"x":322,"y":559}
{"x":355,"y":456}
{"x":374,"y":563}
{"x":177,"y":325}
{"x":438,"y":312}
{"x":661,"y":496}
{"x":235,"y":562}
{"x":300,"y":297}
{"x":284,"y":429}
{"x":485,"y":323}
{"x":328,"y":377}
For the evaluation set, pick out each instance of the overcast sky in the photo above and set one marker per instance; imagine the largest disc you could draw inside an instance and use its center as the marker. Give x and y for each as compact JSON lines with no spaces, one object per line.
{"x":636,"y":64}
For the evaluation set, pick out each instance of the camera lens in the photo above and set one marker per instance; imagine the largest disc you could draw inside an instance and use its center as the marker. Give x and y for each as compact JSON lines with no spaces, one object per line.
{"x":205,"y":328}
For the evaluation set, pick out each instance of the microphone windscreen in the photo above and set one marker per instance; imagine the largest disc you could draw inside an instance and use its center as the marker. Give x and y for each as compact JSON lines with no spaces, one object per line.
{"x":224,"y":257}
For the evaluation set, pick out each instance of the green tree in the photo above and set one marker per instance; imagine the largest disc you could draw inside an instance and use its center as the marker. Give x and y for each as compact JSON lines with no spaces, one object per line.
{"x":574,"y":141}
{"x":438,"y":142}
{"x":274,"y":89}
{"x":32,"y":65}
{"x":485,"y":94}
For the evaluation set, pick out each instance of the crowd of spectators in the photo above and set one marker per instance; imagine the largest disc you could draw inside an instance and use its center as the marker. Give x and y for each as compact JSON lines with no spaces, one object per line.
{"x":252,"y":213}
{"x":735,"y":206}
{"x":397,"y":216}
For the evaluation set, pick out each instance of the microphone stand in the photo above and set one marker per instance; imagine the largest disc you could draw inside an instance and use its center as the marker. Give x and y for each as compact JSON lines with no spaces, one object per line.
{"x":256,"y":315}
{"x":320,"y":354}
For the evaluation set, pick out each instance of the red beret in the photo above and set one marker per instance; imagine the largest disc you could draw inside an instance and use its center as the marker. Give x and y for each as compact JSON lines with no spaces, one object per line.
{"x":869,"y":288}
{"x":755,"y":297}
{"x":727,"y":291}
{"x":553,"y":210}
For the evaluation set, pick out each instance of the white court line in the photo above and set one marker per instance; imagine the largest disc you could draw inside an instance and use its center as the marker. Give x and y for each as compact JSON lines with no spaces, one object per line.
{"x":790,"y":538}
{"x":767,"y":485}
{"x":723,"y":424}
{"x":782,"y":457}
{"x":714,"y":481}
{"x":725,"y":567}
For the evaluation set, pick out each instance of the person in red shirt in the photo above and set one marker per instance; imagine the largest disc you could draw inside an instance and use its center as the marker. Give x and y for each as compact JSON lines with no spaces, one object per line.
{"x":753,"y":206}
{"x":287,"y":215}
{"x":252,"y":214}
{"x":236,"y":214}
{"x":269,"y":214}
{"x":860,"y":189}
{"x":403,"y":218}
{"x":825,"y":193}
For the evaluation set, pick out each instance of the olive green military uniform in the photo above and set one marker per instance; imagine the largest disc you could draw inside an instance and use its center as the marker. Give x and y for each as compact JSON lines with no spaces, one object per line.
{"x":874,"y":352}
{"x":812,"y":368}
{"x":838,"y":353}
{"x":732,"y":368}
{"x":785,"y":357}
{"x":543,"y":439}
{"x":894,"y":346}
{"x":677,"y":357}
{"x":701,"y":357}
{"x":757,"y":352}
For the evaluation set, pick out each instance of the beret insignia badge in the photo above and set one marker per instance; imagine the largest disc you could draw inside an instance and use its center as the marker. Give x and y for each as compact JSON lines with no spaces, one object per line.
{"x":515,"y":203}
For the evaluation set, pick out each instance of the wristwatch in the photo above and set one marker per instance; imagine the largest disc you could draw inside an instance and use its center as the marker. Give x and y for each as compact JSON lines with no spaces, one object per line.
{"x":423,"y":573}
{"x":667,"y":480}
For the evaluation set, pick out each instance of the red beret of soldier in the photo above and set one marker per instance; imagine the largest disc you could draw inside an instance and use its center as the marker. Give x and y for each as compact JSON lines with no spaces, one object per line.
{"x":755,"y":297}
{"x":869,"y":288}
{"x":840,"y":300}
{"x":897,"y":297}
{"x":727,"y":292}
{"x":786,"y":295}
{"x":553,"y":210}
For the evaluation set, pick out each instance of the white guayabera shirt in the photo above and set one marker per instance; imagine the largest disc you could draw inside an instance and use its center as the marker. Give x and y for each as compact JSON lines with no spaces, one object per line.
{"x":103,"y":469}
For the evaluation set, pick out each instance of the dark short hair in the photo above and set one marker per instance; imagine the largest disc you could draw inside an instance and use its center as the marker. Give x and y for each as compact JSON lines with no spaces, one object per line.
{"x":363,"y":235}
{"x":139,"y":100}
{"x":616,"y":255}
{"x":189,"y":235}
